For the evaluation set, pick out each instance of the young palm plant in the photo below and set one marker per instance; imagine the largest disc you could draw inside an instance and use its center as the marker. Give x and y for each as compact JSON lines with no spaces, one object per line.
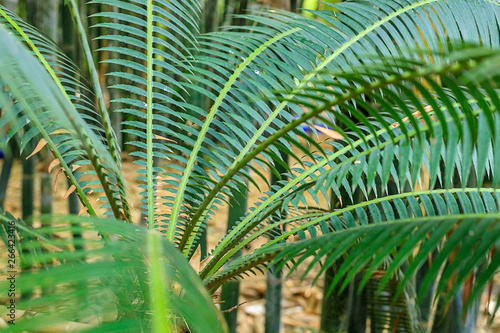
{"x":402,"y":84}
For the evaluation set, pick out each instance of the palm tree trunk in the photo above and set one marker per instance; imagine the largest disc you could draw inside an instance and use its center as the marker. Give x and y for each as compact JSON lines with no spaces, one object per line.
{"x":240,"y":8}
{"x":44,"y":15}
{"x":27,"y":199}
{"x":295,"y":5}
{"x":10,"y":4}
{"x":223,"y":17}
{"x":68,"y":38}
{"x":8,"y":160}
{"x":28,"y":187}
{"x":211,"y":17}
{"x":231,"y":290}
{"x":45,"y":193}
{"x":358,"y":310}
{"x":46,"y":207}
{"x":73,"y":205}
{"x":334,"y":306}
{"x":274,"y":283}
{"x":274,"y":286}
{"x":74,"y":209}
{"x":35,"y":15}
{"x":344,"y":312}
{"x":449,"y":317}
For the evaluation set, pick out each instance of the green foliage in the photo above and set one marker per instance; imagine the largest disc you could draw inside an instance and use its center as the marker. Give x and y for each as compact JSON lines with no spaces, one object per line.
{"x":404,"y":84}
{"x":117,"y":278}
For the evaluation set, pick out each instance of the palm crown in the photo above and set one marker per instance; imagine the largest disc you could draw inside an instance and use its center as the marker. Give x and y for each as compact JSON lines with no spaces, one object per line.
{"x":394,"y":82}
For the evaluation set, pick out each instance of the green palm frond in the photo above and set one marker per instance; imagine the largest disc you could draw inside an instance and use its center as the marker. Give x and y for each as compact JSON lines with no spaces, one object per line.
{"x":47,"y":111}
{"x":66,"y":77}
{"x":131,"y":267}
{"x":291,"y":64}
{"x":464,"y":234}
{"x":401,"y":136}
{"x":404,"y":84}
{"x":390,"y":208}
{"x":156,"y":84}
{"x":377,"y":251}
{"x":106,"y":122}
{"x":60,"y":67}
{"x":287,"y":65}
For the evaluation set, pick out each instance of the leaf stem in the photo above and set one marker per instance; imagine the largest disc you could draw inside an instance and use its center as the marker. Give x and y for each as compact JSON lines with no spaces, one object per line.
{"x":149,"y":106}
{"x":106,"y":122}
{"x":157,"y":290}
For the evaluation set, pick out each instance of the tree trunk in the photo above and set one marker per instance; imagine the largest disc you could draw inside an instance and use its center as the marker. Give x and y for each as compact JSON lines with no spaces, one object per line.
{"x":44,"y":15}
{"x":345,"y":311}
{"x":274,"y":284}
{"x":231,"y":290}
{"x":334,"y":306}
{"x":27,"y":207}
{"x":211,"y":17}
{"x":46,"y":209}
{"x":28,"y":185}
{"x":10,"y":4}
{"x":240,"y":7}
{"x":449,"y":317}
{"x":8,"y":160}
{"x":295,"y":5}
{"x":68,"y":38}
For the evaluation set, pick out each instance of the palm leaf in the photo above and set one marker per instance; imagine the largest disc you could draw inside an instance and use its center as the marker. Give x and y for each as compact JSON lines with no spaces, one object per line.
{"x":369,"y":144}
{"x":161,"y":57}
{"x":344,"y":44}
{"x":378,"y":210}
{"x":62,"y":72}
{"x":405,"y":235}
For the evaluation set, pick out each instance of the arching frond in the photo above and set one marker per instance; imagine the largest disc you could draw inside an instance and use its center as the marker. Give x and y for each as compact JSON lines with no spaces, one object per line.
{"x":342,"y":41}
{"x":390,"y":208}
{"x":67,"y":77}
{"x":46,"y":110}
{"x":399,"y":85}
{"x":464,"y":235}
{"x":401,"y":136}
